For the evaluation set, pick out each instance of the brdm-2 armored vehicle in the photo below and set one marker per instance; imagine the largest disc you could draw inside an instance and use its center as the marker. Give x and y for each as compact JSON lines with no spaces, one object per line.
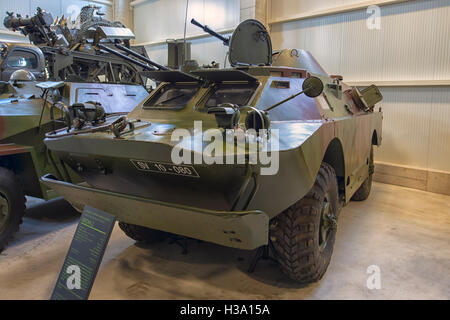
{"x":183,"y":161}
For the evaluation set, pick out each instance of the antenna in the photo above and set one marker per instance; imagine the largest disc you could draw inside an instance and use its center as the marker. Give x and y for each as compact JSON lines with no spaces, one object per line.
{"x":184,"y":36}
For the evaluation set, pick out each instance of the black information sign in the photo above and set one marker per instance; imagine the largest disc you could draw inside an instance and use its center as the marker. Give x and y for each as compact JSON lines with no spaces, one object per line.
{"x":85,"y":255}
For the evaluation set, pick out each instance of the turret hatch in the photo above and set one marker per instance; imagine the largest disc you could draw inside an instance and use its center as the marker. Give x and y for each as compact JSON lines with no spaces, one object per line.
{"x":250,"y":44}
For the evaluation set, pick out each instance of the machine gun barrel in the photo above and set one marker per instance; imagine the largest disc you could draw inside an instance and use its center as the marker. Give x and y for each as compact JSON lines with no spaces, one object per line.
{"x":226,"y":41}
{"x":40,"y":19}
{"x":125,"y":57}
{"x":37,"y":27}
{"x":137,"y":55}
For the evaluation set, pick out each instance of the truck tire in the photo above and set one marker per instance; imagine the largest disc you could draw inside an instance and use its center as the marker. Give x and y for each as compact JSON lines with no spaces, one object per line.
{"x":303,"y":235}
{"x":142,"y":234}
{"x":12,"y":206}
{"x":364,"y":190}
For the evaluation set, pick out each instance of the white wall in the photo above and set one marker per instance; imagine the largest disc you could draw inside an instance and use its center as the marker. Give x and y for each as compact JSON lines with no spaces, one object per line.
{"x":412,"y":44}
{"x":158,"y":20}
{"x":248,"y":9}
{"x":416,"y":127}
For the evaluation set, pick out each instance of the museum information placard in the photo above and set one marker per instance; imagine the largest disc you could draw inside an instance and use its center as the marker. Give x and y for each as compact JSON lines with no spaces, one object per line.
{"x":85,"y":255}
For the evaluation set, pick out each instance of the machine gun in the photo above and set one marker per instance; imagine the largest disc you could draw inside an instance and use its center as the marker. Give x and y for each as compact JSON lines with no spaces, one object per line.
{"x":37,"y":28}
{"x":226,"y":41}
{"x":75,"y":50}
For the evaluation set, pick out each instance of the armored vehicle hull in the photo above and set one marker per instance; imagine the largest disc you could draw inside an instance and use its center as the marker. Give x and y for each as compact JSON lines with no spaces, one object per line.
{"x":217,"y":186}
{"x":262,"y":154}
{"x":133,"y":176}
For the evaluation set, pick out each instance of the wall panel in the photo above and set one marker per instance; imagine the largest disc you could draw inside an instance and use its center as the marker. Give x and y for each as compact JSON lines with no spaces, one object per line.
{"x":284,"y":8}
{"x":439,"y":146}
{"x":406,"y":126}
{"x":154,"y":31}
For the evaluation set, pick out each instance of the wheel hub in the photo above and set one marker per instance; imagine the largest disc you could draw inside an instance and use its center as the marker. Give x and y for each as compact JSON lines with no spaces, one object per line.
{"x":328,"y":223}
{"x":4,"y":212}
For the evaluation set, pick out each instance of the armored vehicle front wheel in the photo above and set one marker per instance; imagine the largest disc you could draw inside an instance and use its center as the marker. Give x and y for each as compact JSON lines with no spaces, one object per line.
{"x":12,"y":206}
{"x":303,"y":235}
{"x":142,"y":234}
{"x":364,"y":190}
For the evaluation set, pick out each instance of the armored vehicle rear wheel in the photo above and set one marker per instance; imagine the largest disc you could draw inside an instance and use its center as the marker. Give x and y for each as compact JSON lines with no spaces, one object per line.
{"x":12,"y":206}
{"x":364,"y":190}
{"x":303,"y":235}
{"x":142,"y":234}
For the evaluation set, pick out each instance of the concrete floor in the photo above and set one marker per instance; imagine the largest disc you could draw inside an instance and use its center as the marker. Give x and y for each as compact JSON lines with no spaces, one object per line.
{"x":405,"y":232}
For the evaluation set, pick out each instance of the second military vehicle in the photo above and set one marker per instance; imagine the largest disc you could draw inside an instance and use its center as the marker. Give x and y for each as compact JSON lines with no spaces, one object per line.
{"x":63,"y":50}
{"x":318,"y":132}
{"x":29,"y":109}
{"x":30,"y":106}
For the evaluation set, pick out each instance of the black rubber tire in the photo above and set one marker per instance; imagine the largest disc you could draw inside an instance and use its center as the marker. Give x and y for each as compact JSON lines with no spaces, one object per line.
{"x":11,"y":189}
{"x":295,"y":232}
{"x":364,"y":190}
{"x":142,"y":234}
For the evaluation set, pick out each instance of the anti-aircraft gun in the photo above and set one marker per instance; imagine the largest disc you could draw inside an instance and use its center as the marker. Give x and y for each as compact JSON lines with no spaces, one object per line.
{"x":73,"y":50}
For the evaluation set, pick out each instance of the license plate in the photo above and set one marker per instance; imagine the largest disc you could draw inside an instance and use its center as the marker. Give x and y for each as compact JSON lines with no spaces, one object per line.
{"x":165,"y":168}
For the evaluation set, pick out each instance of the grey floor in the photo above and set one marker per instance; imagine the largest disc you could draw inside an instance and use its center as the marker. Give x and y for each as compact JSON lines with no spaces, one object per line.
{"x":403,"y":232}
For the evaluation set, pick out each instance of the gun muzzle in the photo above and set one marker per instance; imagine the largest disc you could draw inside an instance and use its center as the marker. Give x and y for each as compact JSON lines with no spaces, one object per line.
{"x":226,"y":41}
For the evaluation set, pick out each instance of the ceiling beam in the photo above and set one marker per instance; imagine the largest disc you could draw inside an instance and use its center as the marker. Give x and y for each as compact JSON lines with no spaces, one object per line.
{"x":136,"y":2}
{"x":106,"y":2}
